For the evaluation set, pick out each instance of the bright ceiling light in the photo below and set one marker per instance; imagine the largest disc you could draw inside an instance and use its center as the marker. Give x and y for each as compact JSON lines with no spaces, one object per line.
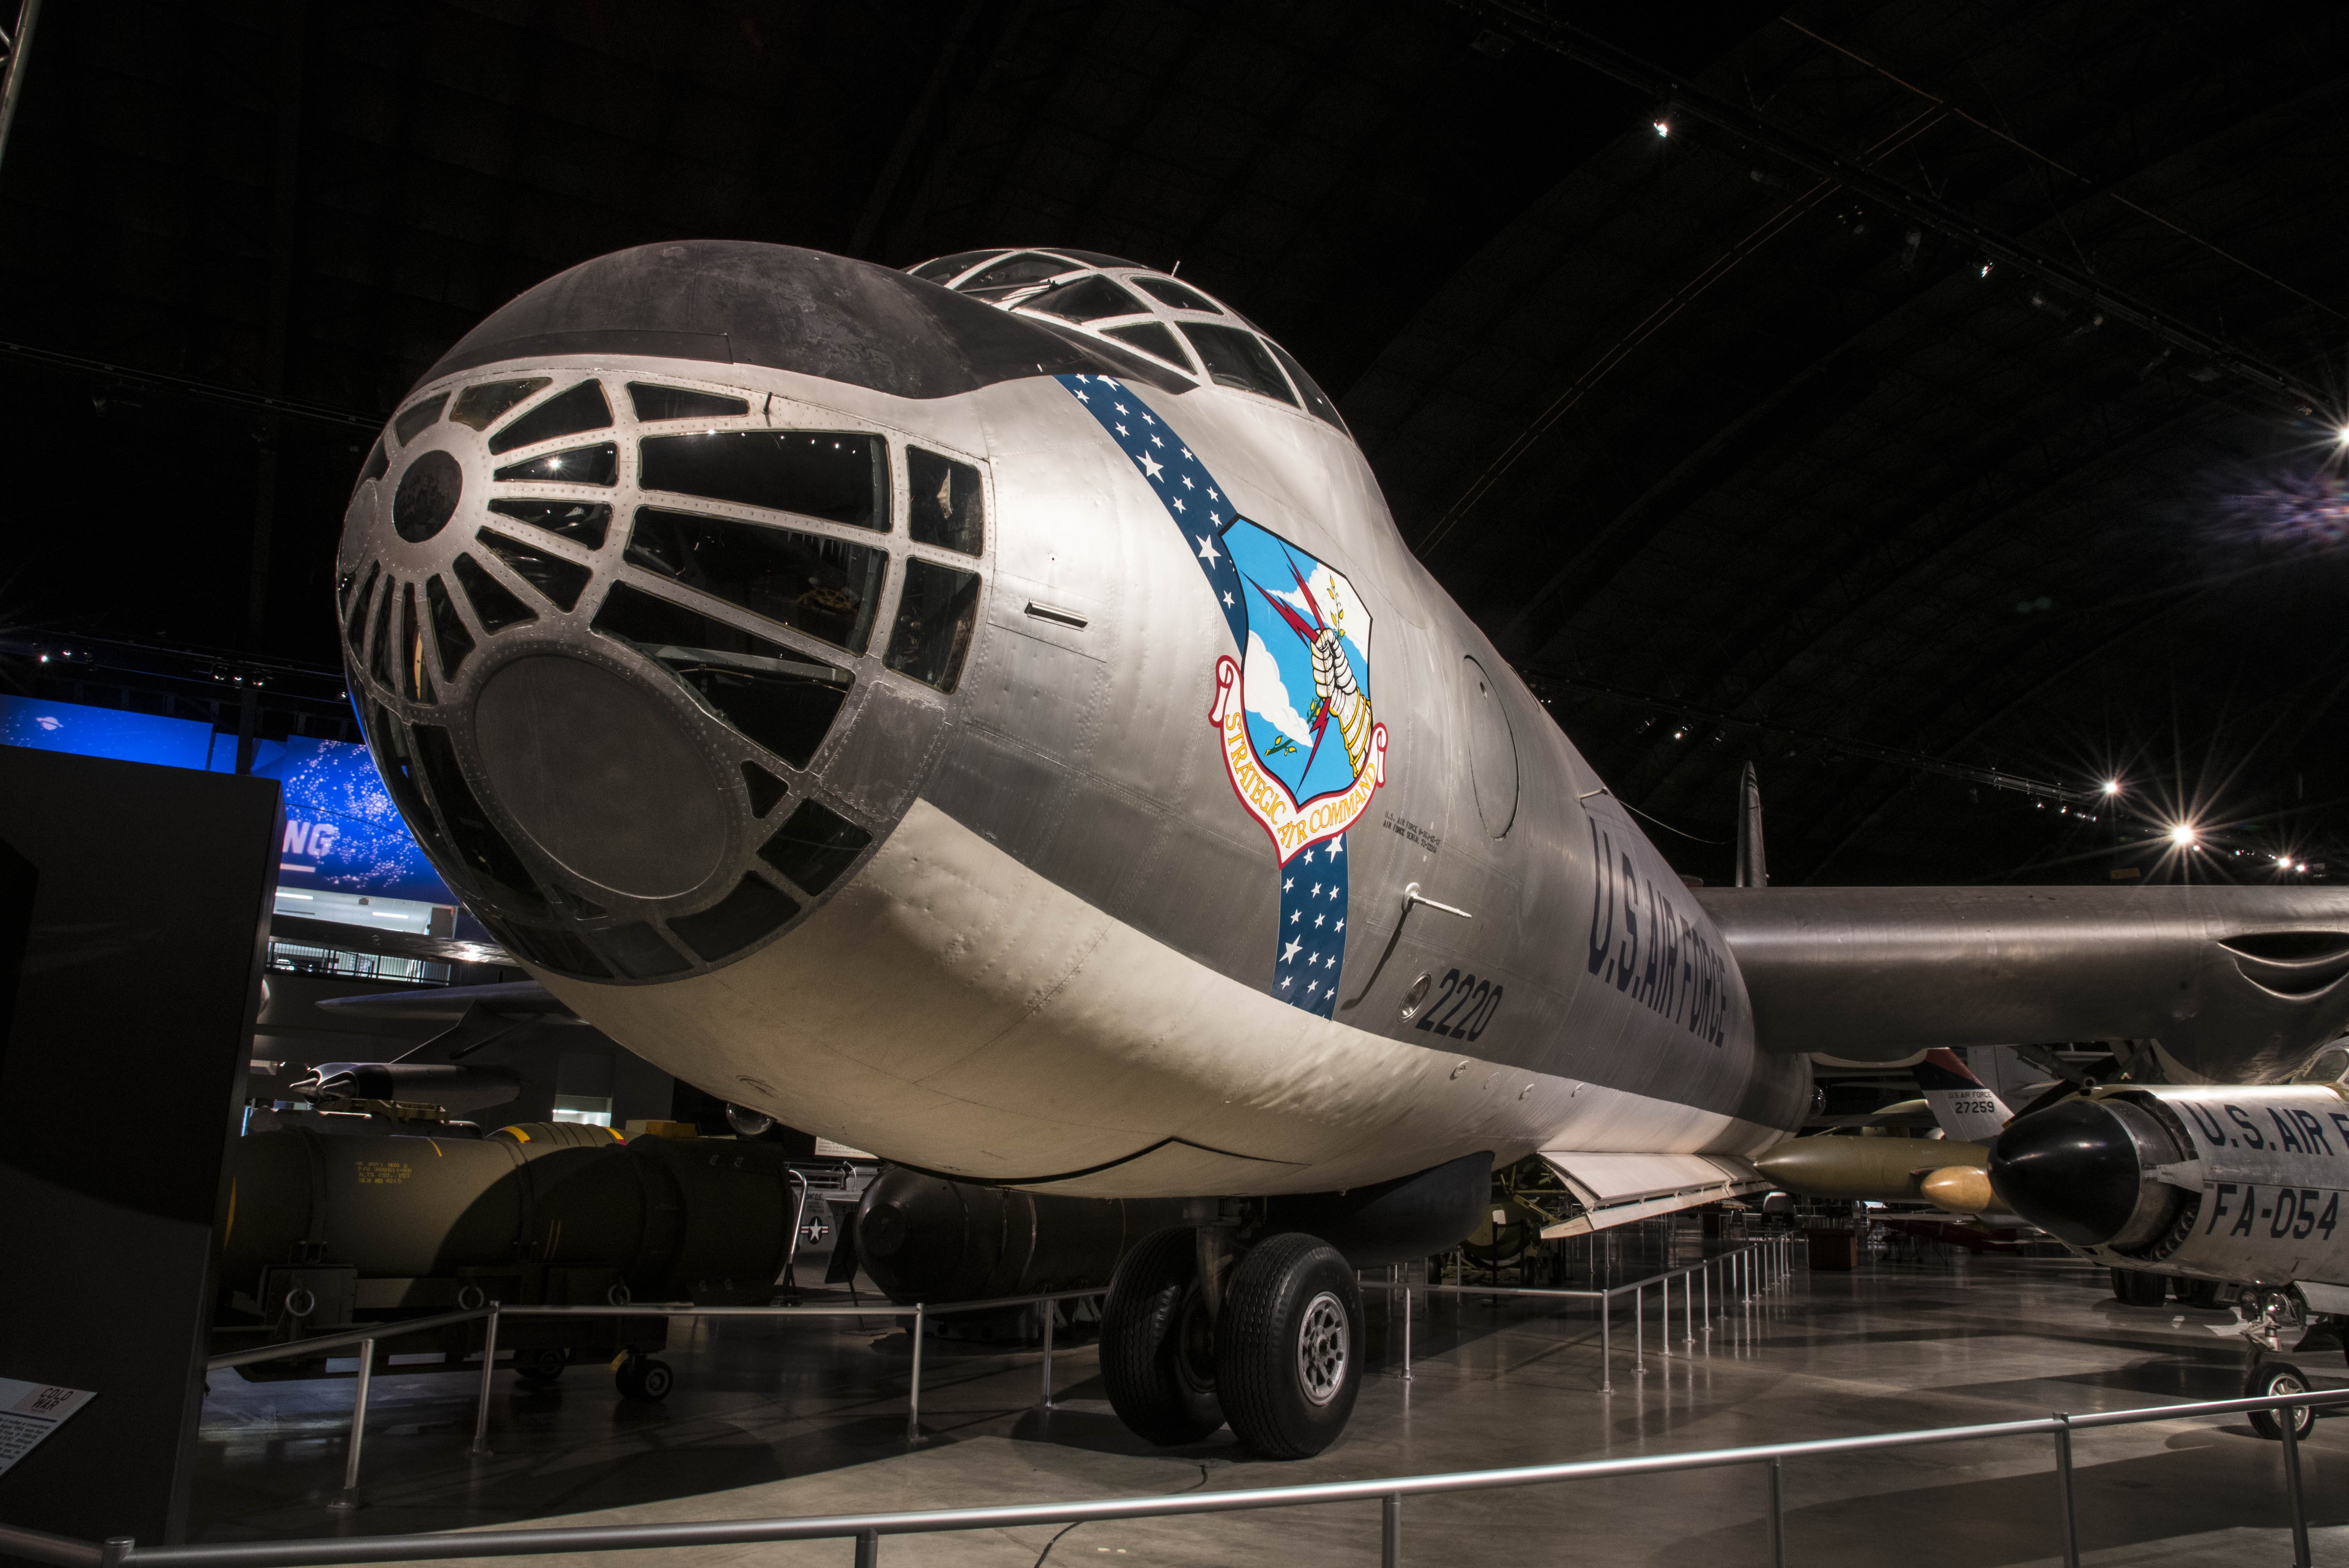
{"x":2111,"y":785}
{"x":2182,"y":835}
{"x":1664,"y":127}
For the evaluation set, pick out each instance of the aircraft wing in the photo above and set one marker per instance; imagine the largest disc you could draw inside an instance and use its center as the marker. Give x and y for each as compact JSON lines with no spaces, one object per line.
{"x":1614,"y":1189}
{"x":2239,"y":984}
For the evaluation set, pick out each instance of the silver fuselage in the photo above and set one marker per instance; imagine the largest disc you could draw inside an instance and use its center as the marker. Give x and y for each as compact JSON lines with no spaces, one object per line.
{"x":1057,"y":962}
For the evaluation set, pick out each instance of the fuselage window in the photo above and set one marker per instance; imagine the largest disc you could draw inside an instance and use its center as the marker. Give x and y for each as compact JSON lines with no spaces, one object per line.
{"x":481,"y":407}
{"x":841,"y":476}
{"x":1090,"y":298}
{"x":937,"y":610}
{"x":653,"y":402}
{"x":1182,"y":296}
{"x":1315,"y":398}
{"x":945,"y":510}
{"x":1237,"y":358}
{"x":566,"y":414}
{"x":1151,"y":337}
{"x":415,"y":419}
{"x":825,"y":587}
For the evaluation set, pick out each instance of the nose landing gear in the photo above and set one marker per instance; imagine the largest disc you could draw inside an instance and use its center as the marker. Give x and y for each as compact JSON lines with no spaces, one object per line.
{"x":1279,"y":1357}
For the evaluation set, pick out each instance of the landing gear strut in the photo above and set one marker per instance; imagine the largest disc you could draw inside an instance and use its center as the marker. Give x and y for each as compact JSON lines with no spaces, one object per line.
{"x":1279,"y":1356}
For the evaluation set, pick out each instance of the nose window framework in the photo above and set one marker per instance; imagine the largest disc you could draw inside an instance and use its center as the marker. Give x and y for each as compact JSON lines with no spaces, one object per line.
{"x":839,"y":476}
{"x":826,"y":587}
{"x":946,"y":507}
{"x":937,"y":609}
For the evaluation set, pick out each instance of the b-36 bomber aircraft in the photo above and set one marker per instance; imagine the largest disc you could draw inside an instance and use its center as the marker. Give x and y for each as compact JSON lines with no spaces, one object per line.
{"x":985,"y":714}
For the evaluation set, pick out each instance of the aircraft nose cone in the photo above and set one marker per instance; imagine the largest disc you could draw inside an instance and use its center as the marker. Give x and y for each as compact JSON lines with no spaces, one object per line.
{"x":600,"y":776}
{"x":2071,"y":1169}
{"x":427,"y":497}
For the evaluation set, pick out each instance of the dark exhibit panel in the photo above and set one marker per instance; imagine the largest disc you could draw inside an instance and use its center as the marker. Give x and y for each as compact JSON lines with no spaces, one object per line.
{"x":123,"y":1068}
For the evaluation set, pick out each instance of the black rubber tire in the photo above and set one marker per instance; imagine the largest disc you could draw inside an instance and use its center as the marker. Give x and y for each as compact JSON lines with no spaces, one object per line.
{"x":2135,"y":1287}
{"x":2201,"y":1292}
{"x":643,"y":1377}
{"x":1286,"y":1286}
{"x":2279,"y":1377}
{"x":540,"y":1368}
{"x":1157,"y":1352}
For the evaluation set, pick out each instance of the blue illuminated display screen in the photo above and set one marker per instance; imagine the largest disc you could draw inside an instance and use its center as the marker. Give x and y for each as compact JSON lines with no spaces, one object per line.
{"x":341,"y":832}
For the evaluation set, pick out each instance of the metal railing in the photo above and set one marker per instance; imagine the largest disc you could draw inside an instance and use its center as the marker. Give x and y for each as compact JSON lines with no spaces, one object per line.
{"x":866,"y":1529}
{"x":494,"y":1311}
{"x":1760,"y":1265}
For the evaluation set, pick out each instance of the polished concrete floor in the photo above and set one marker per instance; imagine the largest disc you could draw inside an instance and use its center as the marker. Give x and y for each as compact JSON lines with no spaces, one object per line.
{"x":774,"y":1419}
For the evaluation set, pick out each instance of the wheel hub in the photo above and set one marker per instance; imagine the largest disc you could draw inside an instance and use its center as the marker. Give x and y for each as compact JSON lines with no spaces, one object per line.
{"x":1321,"y":1349}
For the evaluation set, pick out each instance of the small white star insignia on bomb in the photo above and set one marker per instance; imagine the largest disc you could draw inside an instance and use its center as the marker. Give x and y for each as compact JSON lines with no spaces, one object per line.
{"x":1207,"y":548}
{"x":1289,"y":951}
{"x":1151,"y":465}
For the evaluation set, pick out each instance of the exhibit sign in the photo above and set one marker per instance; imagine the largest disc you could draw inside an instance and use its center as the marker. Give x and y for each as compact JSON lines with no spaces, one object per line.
{"x":342,"y":832}
{"x":30,"y":1412}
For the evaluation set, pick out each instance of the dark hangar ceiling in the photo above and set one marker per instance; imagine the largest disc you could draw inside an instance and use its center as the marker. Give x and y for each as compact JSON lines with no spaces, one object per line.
{"x":1732,"y":463}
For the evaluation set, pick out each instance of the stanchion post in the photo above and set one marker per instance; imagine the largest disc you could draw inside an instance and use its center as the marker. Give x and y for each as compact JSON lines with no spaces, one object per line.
{"x":1052,"y":1311}
{"x":912,"y":1393}
{"x":2063,"y":1490}
{"x":350,"y":1496}
{"x":488,"y":1365}
{"x":1778,"y":1519}
{"x":1664,"y":1316}
{"x":2289,"y":1418}
{"x":114,"y":1548}
{"x":1639,"y":1331}
{"x":1406,"y":1322}
{"x":1391,"y":1530}
{"x":868,"y":1548}
{"x":1606,"y":1346}
{"x":1688,"y":1305}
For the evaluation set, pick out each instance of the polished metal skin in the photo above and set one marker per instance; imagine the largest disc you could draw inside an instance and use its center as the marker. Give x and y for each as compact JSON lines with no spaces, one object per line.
{"x":1083,"y":789}
{"x":2239,"y":984}
{"x":2237,"y":1184}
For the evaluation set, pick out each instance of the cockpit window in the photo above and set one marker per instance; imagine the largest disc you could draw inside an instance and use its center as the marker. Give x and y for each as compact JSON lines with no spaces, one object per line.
{"x":1151,"y":337}
{"x":1090,"y":298}
{"x":1182,"y":296}
{"x":783,"y":699}
{"x":1237,"y":358}
{"x":1014,"y":272}
{"x":654,"y":402}
{"x":825,"y":587}
{"x":1315,"y":398}
{"x":944,"y":267}
{"x":1095,"y":259}
{"x":841,"y":476}
{"x":938,"y":608}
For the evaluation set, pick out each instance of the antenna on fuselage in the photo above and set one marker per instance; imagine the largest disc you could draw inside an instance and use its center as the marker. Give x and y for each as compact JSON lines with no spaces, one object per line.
{"x":1751,"y":872}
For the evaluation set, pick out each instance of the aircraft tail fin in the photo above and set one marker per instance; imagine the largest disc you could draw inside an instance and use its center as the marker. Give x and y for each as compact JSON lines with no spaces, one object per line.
{"x":1969,"y":1110}
{"x":1751,"y":872}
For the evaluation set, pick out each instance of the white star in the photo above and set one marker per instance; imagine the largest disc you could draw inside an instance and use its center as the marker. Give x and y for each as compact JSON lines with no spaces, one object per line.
{"x":1287,"y":883}
{"x":1187,"y":452}
{"x":1317,"y":890}
{"x":1340,"y":926}
{"x":1121,"y":429}
{"x":1338,"y":845}
{"x":1109,"y":380}
{"x":1151,"y":465}
{"x":1148,"y":420}
{"x":1186,"y":478}
{"x":1207,"y":548}
{"x":1212,"y":495}
{"x":1297,"y":916}
{"x":1120,"y":407}
{"x":1177,"y":502}
{"x":1082,"y":398}
{"x":1312,"y":986}
{"x":1289,"y":951}
{"x":1308,"y":860}
{"x":1318,"y":920}
{"x":1285,"y":981}
{"x":1333,"y":890}
{"x":1156,"y":440}
{"x":1227,"y":597}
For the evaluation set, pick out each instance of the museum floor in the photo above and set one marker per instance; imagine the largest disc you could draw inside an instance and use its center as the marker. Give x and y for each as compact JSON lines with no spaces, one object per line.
{"x":809,"y":1416}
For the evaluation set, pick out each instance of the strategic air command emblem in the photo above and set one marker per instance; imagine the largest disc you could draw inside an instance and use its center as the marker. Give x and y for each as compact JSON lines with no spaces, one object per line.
{"x":1292,"y":708}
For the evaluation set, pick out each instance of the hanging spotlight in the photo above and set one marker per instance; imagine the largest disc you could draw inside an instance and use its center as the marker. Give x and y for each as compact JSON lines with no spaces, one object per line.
{"x":2111,"y":785}
{"x":2182,"y":835}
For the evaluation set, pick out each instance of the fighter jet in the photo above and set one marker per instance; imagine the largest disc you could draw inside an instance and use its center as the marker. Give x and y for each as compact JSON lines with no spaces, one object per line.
{"x":985,"y":714}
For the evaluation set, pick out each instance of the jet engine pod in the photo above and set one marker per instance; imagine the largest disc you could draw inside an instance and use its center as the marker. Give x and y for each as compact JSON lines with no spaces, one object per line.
{"x":2238,"y":1184}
